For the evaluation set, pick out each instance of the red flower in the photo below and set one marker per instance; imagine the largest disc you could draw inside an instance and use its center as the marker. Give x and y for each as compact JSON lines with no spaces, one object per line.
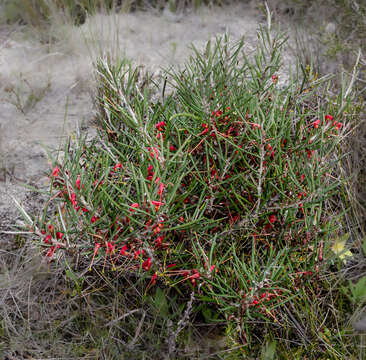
{"x":47,"y":239}
{"x":310,"y":153}
{"x":240,"y":147}
{"x":301,"y":195}
{"x":78,"y":182}
{"x":138,"y":253}
{"x":328,"y":117}
{"x":196,"y":275}
{"x":159,"y":241}
{"x":272,"y":219}
{"x":73,"y":200}
{"x":154,"y":153}
{"x":51,"y":251}
{"x":157,"y":228}
{"x":316,"y":124}
{"x":160,"y":125}
{"x":59,"y":235}
{"x":271,"y":154}
{"x":161,"y":189}
{"x":93,"y":219}
{"x":123,"y":250}
{"x":146,"y":265}
{"x":56,"y":171}
{"x":111,"y":247}
{"x":205,"y":131}
{"x":256,"y":126}
{"x":96,"y":248}
{"x":134,"y":206}
{"x":96,"y":182}
{"x":153,"y":279}
{"x":156,"y":203}
{"x":338,"y":125}
{"x":117,"y":166}
{"x":172,"y":148}
{"x":214,"y":173}
{"x":150,"y":172}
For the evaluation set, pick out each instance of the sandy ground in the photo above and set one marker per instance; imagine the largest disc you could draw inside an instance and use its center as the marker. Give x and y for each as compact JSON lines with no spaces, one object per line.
{"x":46,"y":89}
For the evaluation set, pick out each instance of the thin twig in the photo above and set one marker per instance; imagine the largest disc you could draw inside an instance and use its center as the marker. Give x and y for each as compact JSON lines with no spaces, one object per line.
{"x":122,"y":317}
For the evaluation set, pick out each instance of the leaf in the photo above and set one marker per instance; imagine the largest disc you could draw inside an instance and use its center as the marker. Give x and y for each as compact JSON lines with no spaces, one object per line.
{"x":71,"y":275}
{"x":364,"y":246}
{"x":206,"y":312}
{"x":161,"y":302}
{"x":358,"y":290}
{"x":268,"y":353}
{"x":339,"y":248}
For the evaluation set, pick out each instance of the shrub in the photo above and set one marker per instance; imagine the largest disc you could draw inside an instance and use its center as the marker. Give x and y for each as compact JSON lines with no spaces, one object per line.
{"x":215,"y":180}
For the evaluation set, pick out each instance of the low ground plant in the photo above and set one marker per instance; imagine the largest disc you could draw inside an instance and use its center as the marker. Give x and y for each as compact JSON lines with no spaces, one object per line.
{"x":212,"y":194}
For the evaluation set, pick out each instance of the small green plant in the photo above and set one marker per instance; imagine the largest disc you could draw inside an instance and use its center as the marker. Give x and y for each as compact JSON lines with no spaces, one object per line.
{"x":24,"y":96}
{"x":357,"y":291}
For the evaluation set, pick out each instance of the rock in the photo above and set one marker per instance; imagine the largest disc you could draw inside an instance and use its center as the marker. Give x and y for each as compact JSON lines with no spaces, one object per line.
{"x":360,"y":325}
{"x":331,"y":28}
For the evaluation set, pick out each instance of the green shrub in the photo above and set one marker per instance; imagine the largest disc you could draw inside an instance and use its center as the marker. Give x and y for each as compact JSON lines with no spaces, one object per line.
{"x":216,"y":181}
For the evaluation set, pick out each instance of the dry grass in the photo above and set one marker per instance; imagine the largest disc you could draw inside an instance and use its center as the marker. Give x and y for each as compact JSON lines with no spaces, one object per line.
{"x":40,"y":13}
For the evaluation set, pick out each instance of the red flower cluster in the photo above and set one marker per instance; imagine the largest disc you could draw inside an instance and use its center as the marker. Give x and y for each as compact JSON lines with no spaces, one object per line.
{"x":52,"y":238}
{"x":192,"y":276}
{"x":261,"y":300}
{"x":328,"y":119}
{"x":116,"y":167}
{"x":160,"y":126}
{"x":51,"y":233}
{"x":56,"y":171}
{"x":154,"y":152}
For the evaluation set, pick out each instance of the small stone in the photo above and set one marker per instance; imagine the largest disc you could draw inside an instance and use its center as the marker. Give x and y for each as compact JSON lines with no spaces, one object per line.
{"x":360,"y":325}
{"x":331,"y":28}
